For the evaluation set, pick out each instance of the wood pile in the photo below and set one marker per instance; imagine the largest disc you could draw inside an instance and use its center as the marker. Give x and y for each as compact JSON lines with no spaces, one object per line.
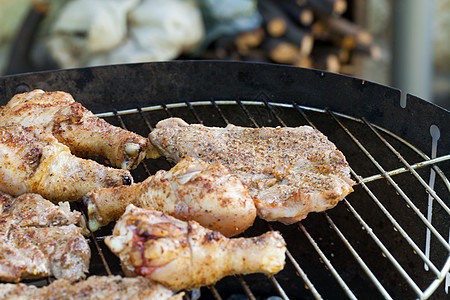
{"x":306,"y":33}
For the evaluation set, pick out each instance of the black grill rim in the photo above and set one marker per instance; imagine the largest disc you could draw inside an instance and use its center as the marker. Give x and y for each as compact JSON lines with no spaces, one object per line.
{"x":148,"y":83}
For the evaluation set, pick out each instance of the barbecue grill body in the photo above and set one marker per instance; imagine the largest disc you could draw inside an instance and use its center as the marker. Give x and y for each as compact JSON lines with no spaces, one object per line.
{"x":283,"y":93}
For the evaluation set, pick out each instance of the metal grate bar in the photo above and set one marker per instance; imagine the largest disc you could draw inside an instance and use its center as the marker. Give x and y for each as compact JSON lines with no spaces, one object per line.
{"x":247,"y":289}
{"x":214,"y":291}
{"x":420,"y":153}
{"x":119,"y":118}
{"x":303,"y":114}
{"x":318,"y":250}
{"x":428,"y":161}
{"x":147,"y":122}
{"x":239,"y":277}
{"x":399,"y":228}
{"x":383,"y":248}
{"x":418,"y":165}
{"x":358,"y":258}
{"x":394,"y":184}
{"x":279,"y":288}
{"x":275,"y":282}
{"x":327,"y":262}
{"x":167,"y":110}
{"x":247,"y":113}
{"x":361,"y":182}
{"x":408,"y":166}
{"x":269,"y":106}
{"x":191,"y":108}
{"x":342,"y":237}
{"x":300,"y":271}
{"x":301,"y":109}
{"x":392,"y":219}
{"x":305,"y":278}
{"x":82,"y":208}
{"x":220,"y":112}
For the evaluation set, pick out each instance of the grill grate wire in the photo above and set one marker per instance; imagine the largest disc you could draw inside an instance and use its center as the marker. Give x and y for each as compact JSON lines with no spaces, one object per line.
{"x":362,"y":182}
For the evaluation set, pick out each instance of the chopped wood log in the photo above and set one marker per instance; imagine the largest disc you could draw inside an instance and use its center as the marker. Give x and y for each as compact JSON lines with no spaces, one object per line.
{"x":323,"y":49}
{"x":329,"y":7}
{"x":335,"y":25}
{"x":291,"y":32}
{"x":281,"y":51}
{"x":329,"y":62}
{"x":300,"y":37}
{"x":319,"y":30}
{"x":373,"y":51}
{"x":321,"y":39}
{"x":274,"y":18}
{"x":303,"y":62}
{"x":249,"y":39}
{"x":301,"y":14}
{"x":306,"y":17}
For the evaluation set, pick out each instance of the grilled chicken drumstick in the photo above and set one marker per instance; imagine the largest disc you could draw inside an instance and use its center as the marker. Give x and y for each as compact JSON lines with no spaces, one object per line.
{"x":76,"y":127}
{"x":191,"y":190}
{"x":185,"y":255}
{"x":289,"y":171}
{"x":93,"y":288}
{"x":39,"y":239}
{"x":32,"y":160}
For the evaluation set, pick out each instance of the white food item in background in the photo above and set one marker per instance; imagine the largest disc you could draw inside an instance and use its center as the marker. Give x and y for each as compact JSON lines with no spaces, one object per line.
{"x":88,"y":33}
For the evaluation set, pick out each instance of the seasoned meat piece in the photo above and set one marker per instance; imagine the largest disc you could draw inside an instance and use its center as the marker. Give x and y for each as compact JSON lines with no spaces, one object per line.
{"x":32,"y":160}
{"x":76,"y":127}
{"x":191,"y":190}
{"x":289,"y":171}
{"x":93,"y":288}
{"x":28,"y":252}
{"x":33,"y":210}
{"x":185,"y":255}
{"x":39,"y":238}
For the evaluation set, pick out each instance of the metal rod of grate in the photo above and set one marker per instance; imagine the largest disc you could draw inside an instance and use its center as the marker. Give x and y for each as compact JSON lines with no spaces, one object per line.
{"x":328,"y":263}
{"x":440,"y":274}
{"x":360,"y":261}
{"x":395,"y":185}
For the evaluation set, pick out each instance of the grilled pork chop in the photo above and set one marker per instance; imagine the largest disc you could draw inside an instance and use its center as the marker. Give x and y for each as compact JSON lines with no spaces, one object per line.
{"x":93,"y":288}
{"x":38,"y":239}
{"x":32,"y":160}
{"x":185,"y":255}
{"x":76,"y":127}
{"x":289,"y":171}
{"x":191,"y":190}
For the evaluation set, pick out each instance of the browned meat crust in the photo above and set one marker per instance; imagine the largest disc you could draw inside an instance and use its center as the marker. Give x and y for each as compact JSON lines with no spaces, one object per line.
{"x":184,"y":255}
{"x":32,"y":160}
{"x":191,"y":190}
{"x":289,"y":171}
{"x":76,"y":127}
{"x":42,"y":241}
{"x":93,"y":288}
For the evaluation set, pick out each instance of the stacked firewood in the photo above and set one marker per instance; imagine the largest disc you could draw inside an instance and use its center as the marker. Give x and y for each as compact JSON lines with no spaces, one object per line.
{"x":305,"y":33}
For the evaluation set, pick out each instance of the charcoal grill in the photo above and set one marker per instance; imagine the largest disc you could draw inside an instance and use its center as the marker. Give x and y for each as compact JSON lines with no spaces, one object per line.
{"x":389,"y":239}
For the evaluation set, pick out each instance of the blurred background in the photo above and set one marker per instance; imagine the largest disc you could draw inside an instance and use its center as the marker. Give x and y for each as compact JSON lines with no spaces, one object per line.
{"x":400,"y":43}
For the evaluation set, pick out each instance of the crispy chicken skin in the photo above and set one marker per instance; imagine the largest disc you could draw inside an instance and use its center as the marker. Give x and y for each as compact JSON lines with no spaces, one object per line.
{"x":32,"y":160}
{"x":39,"y":238}
{"x":185,"y":255}
{"x":289,"y":171}
{"x":93,"y":288}
{"x":191,"y":190}
{"x":76,"y":127}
